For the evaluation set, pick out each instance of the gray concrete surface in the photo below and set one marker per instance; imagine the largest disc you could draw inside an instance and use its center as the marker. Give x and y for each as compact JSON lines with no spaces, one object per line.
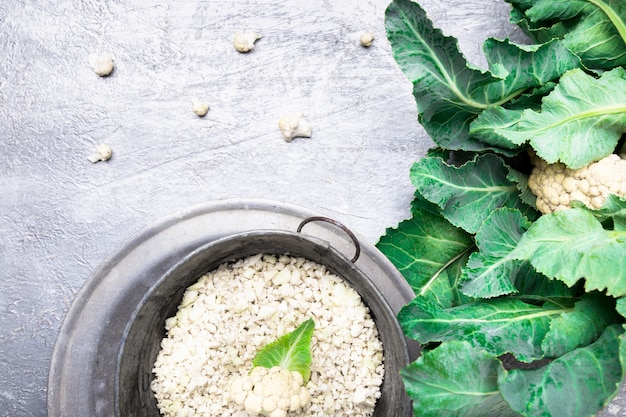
{"x":61,"y":216}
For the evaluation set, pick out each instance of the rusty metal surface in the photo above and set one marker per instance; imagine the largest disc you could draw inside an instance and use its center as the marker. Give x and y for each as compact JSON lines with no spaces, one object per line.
{"x":61,"y":216}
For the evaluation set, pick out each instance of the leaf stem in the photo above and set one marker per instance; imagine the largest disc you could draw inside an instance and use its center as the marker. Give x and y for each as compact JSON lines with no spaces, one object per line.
{"x":458,"y":392}
{"x":442,"y":70}
{"x":596,"y":112}
{"x":491,"y":189}
{"x":443,"y":268}
{"x":529,"y":316}
{"x":620,"y":26}
{"x":554,"y":300}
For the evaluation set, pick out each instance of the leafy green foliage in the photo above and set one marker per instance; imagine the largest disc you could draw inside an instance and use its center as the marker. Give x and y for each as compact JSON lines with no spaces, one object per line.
{"x":455,"y":380}
{"x":448,"y":92}
{"x":291,"y":351}
{"x":508,"y":325}
{"x":497,"y":325}
{"x":467,"y":194}
{"x":576,"y":384}
{"x":572,"y":244}
{"x":580,"y":122}
{"x":595,"y":30}
{"x":427,"y":250}
{"x":613,"y":211}
{"x":580,"y":327}
{"x":491,"y":272}
{"x":491,"y":275}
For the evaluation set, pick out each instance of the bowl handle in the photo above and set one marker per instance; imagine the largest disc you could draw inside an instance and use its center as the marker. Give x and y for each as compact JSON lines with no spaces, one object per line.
{"x":339,"y":225}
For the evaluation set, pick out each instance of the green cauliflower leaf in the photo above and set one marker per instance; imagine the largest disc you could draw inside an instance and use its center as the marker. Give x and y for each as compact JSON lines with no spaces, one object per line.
{"x":571,"y":245}
{"x":580,"y":121}
{"x":450,"y":93}
{"x":492,"y":271}
{"x":291,"y":351}
{"x":578,"y":384}
{"x":595,"y":30}
{"x":455,"y":380}
{"x":429,"y":252}
{"x":467,"y":194}
{"x":498,"y":325}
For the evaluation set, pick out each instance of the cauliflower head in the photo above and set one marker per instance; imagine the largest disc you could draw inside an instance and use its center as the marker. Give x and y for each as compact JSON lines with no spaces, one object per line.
{"x":556,"y":186}
{"x":271,"y":392}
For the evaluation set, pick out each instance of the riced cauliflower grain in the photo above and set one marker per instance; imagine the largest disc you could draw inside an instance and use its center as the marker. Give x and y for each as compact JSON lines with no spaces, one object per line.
{"x":233,"y":311}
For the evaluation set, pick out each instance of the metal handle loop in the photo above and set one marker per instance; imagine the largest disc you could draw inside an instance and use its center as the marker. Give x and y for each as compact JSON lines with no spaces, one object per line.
{"x":339,"y":225}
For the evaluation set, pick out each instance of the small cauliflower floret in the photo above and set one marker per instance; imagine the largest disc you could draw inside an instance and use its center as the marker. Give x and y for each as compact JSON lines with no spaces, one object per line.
{"x":102,"y":64}
{"x":103,"y":153}
{"x":366,"y":38}
{"x":271,"y":392}
{"x":557,"y":186}
{"x":294,"y":125}
{"x":244,"y":41}
{"x":200,"y":108}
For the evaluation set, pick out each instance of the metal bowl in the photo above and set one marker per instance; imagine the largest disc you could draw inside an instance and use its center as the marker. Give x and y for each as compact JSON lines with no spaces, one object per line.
{"x":103,"y":359}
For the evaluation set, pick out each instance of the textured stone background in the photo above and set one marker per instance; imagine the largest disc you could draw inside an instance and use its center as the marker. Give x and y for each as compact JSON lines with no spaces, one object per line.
{"x":60,"y":216}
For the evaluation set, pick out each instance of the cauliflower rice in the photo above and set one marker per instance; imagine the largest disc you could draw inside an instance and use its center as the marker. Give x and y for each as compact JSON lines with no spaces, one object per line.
{"x":233,"y":311}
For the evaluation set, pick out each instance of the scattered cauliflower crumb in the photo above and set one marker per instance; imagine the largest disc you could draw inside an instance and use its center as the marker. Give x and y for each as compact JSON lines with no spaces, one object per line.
{"x":102,"y":64}
{"x":200,"y":108}
{"x":244,"y":41}
{"x":556,"y":186}
{"x":294,"y":125}
{"x":367,"y":38}
{"x":272,"y":392}
{"x":103,"y":152}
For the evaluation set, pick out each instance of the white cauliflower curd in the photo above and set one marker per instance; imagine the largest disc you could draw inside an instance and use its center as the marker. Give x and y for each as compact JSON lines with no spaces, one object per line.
{"x":224,"y":319}
{"x":271,"y":392}
{"x":556,"y":186}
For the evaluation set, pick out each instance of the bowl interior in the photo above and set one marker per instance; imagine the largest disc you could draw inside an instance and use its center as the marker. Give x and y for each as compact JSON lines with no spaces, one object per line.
{"x":144,"y":333}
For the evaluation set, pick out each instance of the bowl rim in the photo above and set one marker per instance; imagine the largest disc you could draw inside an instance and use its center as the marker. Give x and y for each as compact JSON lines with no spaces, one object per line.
{"x":90,"y":330}
{"x":215,"y":253}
